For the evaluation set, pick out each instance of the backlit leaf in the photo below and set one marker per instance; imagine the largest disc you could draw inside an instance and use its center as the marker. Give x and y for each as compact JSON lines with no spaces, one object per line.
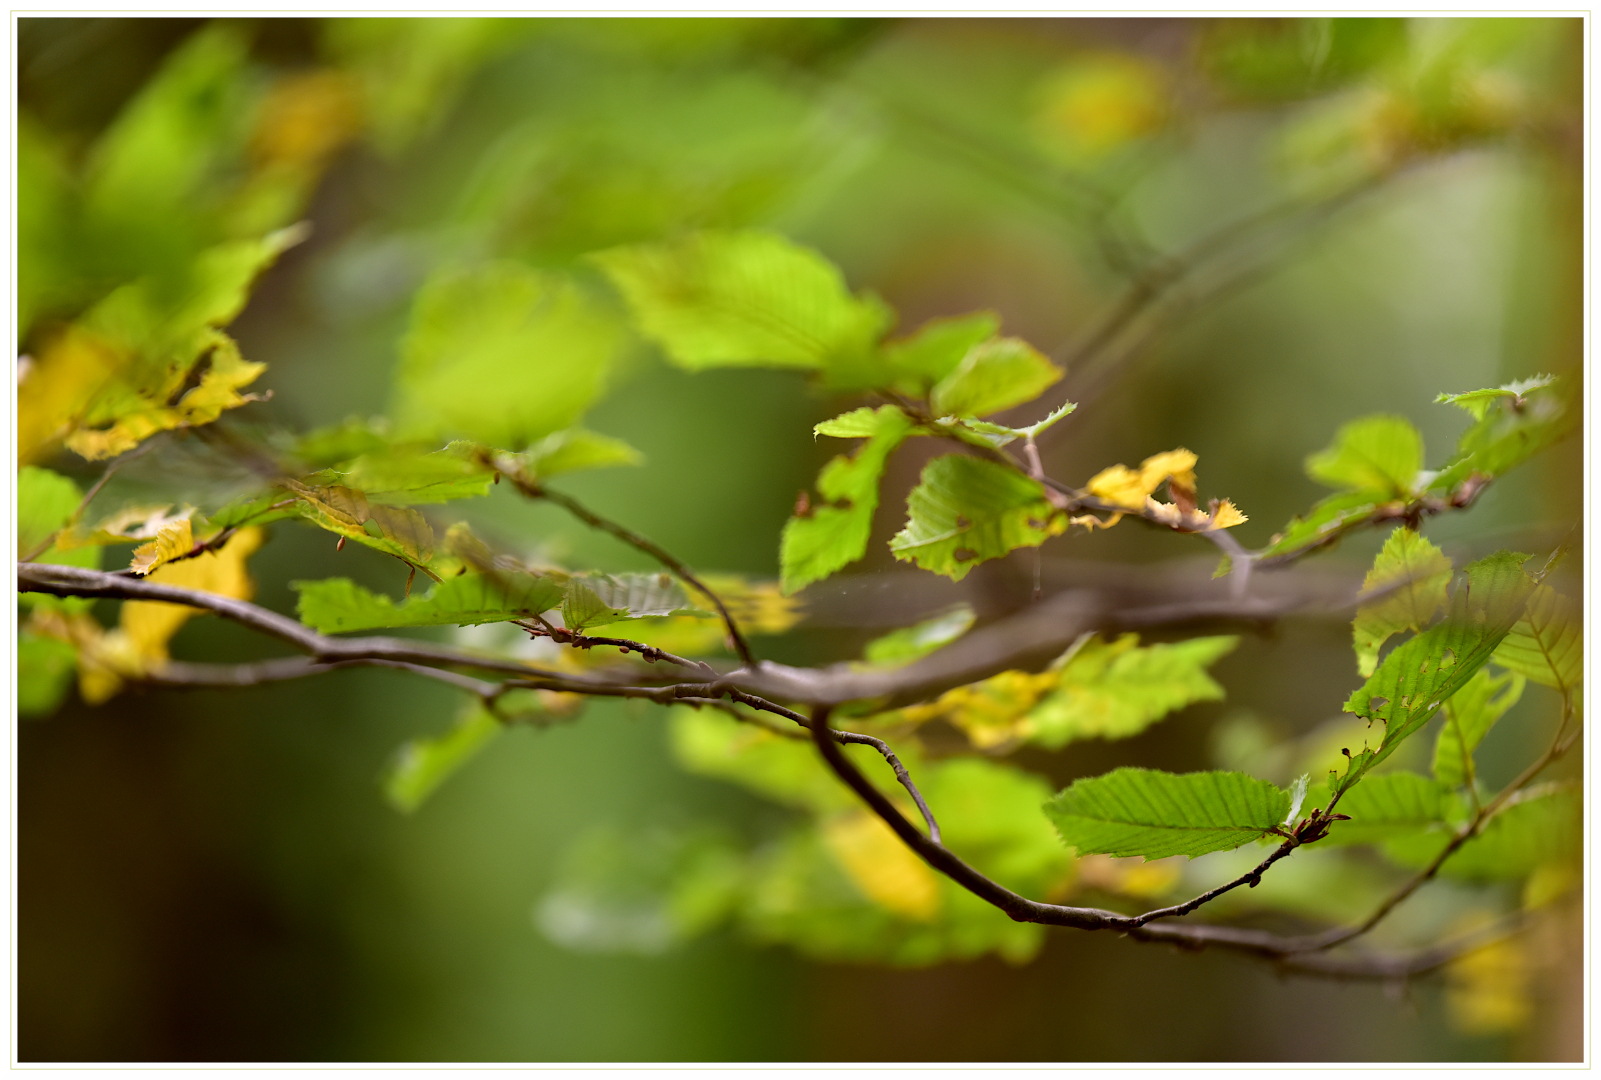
{"x":46,"y":502}
{"x":1375,"y":453}
{"x":882,"y":866}
{"x":1479,"y":402}
{"x":407,"y":476}
{"x":1156,"y":814}
{"x":572,"y":450}
{"x":1415,"y":573}
{"x":1539,"y":826}
{"x":1418,"y":676}
{"x":826,"y":537}
{"x":1326,"y":519}
{"x":338,"y":605}
{"x":421,"y":765}
{"x":1469,"y":715}
{"x":1391,"y":805}
{"x":582,"y":607}
{"x":965,"y":511}
{"x":501,"y":354}
{"x":899,"y":646}
{"x":993,"y":376}
{"x":939,"y":345}
{"x":44,"y":673}
{"x":1547,"y":643}
{"x":1118,"y":689}
{"x":745,"y":299}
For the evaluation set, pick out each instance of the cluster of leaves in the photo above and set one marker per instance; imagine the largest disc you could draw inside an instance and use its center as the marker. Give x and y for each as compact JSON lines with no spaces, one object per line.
{"x":498,"y":368}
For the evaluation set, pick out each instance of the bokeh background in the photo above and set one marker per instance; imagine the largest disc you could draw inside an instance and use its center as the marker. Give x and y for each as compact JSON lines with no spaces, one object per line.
{"x":1316,"y":219}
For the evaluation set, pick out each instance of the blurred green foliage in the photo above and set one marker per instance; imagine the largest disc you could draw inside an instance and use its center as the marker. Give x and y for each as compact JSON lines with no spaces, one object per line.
{"x":1260,"y":227}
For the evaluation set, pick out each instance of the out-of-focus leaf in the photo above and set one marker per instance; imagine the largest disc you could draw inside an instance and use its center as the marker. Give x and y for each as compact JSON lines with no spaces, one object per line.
{"x":1391,"y":805}
{"x":909,"y":643}
{"x":44,"y":672}
{"x":718,"y":299}
{"x":824,"y":538}
{"x":1132,"y":489}
{"x":412,"y":70}
{"x":338,"y":443}
{"x":572,"y":450}
{"x":406,"y":476}
{"x":1417,"y":677}
{"x":786,"y":770}
{"x":1118,"y":689}
{"x":1156,"y":814}
{"x":1547,"y":643}
{"x":1279,"y":59}
{"x":1540,"y":826}
{"x":640,"y":595}
{"x":933,"y":353}
{"x":421,"y":765}
{"x":171,"y":542}
{"x":1415,"y":573}
{"x":45,"y":502}
{"x":1469,"y":715}
{"x":501,"y":354}
{"x":641,"y":893}
{"x":880,"y":865}
{"x":993,"y":376}
{"x":339,"y":605}
{"x":965,"y":511}
{"x":1375,"y":453}
{"x":1096,"y":104}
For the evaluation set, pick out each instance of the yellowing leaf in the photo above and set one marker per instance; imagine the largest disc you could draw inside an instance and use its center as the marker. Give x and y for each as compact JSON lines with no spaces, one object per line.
{"x":1487,"y":990}
{"x":883,"y":867}
{"x":54,"y":388}
{"x":149,"y":625}
{"x":991,"y":712}
{"x":1129,"y":488}
{"x":172,"y":541}
{"x":224,"y":374}
{"x":1097,"y":104}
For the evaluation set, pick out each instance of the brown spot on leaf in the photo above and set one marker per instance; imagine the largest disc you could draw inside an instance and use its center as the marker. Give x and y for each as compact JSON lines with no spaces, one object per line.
{"x":962,"y":554}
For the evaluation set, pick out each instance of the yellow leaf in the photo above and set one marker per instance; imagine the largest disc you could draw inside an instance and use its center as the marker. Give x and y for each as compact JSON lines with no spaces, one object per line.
{"x":883,"y":867}
{"x":149,"y":625}
{"x":58,"y":386}
{"x":224,"y":372}
{"x":105,"y":660}
{"x":1487,"y":990}
{"x":172,"y":541}
{"x":1129,"y":489}
{"x":1132,"y":877}
{"x":991,"y":712}
{"x":1223,"y":515}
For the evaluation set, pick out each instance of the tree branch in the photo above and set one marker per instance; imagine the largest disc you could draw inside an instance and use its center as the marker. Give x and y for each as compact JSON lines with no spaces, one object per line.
{"x":634,"y":540}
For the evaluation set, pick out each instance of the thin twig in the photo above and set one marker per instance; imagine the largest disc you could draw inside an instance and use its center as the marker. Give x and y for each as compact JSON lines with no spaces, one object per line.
{"x":634,"y":540}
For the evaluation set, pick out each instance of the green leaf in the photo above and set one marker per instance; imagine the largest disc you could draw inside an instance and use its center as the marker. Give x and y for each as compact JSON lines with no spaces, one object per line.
{"x":45,"y":666}
{"x":398,"y":531}
{"x":1547,"y":643}
{"x":993,"y":376}
{"x":1118,"y":689}
{"x":937,"y":348}
{"x":1375,"y":453}
{"x":1420,"y":675}
{"x":339,"y":605}
{"x":1478,"y":402}
{"x":1326,"y":519}
{"x":965,"y":511}
{"x":1156,"y":814}
{"x":582,"y":608}
{"x":744,"y":299}
{"x":909,"y":643}
{"x":502,"y":354}
{"x":1512,"y":428}
{"x":45,"y":502}
{"x":834,"y":534}
{"x":421,"y":765}
{"x":641,"y":893}
{"x":345,"y":441}
{"x":861,"y":423}
{"x":1391,"y":805}
{"x":573,"y":450}
{"x":407,"y":476}
{"x":1469,"y":715}
{"x":635,"y":596}
{"x":1540,"y":825}
{"x":1415,"y":573}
